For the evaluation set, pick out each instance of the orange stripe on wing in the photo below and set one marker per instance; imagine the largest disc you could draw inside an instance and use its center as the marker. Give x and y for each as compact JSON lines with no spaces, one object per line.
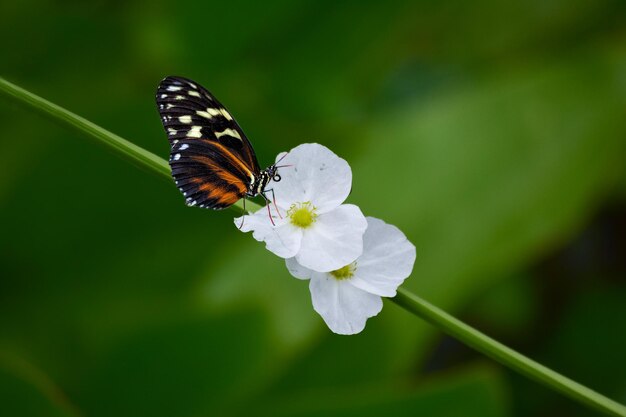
{"x":222,"y":173}
{"x":219,"y":193}
{"x":232,"y":158}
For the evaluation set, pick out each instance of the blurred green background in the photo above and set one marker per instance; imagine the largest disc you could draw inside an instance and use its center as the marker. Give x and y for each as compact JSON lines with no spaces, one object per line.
{"x":492,"y":133}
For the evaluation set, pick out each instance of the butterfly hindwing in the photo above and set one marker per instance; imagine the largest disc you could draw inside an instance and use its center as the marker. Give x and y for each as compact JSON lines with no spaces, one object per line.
{"x":207,"y":174}
{"x":212,"y":161}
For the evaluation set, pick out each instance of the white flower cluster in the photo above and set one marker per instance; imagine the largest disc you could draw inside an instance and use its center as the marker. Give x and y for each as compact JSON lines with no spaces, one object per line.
{"x":350,"y":261}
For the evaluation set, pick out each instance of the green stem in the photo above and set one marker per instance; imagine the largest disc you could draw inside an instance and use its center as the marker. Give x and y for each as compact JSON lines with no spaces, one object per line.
{"x":119,"y":145}
{"x":128,"y":150}
{"x":505,"y":355}
{"x":405,"y":299}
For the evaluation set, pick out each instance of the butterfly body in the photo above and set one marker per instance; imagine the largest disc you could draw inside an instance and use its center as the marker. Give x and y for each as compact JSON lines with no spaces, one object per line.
{"x":264,"y":178}
{"x":213,"y":163}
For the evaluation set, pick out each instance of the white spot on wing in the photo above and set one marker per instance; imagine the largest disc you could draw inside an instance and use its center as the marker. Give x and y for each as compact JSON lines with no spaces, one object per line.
{"x":185,"y":119}
{"x":195,"y":132}
{"x":176,"y":157}
{"x":174,"y":88}
{"x":194,"y":93}
{"x":226,"y":115}
{"x":213,"y":112}
{"x":183,"y":147}
{"x":229,"y":132}
{"x":163,"y":95}
{"x":204,"y":114}
{"x":171,"y":131}
{"x":179,"y":97}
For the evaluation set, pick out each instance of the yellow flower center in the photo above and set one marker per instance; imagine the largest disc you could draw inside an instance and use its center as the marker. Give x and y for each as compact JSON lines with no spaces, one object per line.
{"x":302,"y":214}
{"x":344,"y":272}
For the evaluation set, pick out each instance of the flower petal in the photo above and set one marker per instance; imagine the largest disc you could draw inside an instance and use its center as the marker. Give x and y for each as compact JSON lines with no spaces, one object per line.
{"x":297,"y":270}
{"x":316,"y":175}
{"x":283,"y":240}
{"x":334,"y":240}
{"x":344,"y":308}
{"x":387,"y":259}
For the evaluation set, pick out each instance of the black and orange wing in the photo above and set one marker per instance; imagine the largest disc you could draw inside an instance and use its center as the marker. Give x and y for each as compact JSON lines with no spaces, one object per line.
{"x":212,"y":161}
{"x":208,"y":174}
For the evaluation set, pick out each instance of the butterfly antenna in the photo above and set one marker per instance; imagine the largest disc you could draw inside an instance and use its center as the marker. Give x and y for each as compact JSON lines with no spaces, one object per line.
{"x":284,"y":166}
{"x":281,"y":158}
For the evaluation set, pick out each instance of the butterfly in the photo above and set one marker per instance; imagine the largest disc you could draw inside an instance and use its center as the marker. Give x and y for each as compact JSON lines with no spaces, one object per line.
{"x":212,"y":161}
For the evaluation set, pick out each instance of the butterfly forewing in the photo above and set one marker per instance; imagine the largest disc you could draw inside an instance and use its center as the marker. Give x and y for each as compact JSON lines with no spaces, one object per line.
{"x":189,"y":110}
{"x":212,"y":161}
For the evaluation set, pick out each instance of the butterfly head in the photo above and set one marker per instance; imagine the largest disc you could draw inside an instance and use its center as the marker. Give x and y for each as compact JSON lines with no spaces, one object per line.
{"x":259,"y":183}
{"x":272,"y":172}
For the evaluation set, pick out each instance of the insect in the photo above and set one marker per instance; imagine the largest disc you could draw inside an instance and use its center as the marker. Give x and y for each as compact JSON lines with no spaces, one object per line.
{"x":212,"y":161}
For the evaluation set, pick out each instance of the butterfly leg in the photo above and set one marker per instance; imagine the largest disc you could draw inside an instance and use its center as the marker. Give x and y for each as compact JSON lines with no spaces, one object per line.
{"x":243,"y":217}
{"x":274,"y":200}
{"x":267,"y":204}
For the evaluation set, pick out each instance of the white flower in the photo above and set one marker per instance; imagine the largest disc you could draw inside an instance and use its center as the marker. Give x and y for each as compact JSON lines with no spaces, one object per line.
{"x":315,"y":228}
{"x":348,"y":296}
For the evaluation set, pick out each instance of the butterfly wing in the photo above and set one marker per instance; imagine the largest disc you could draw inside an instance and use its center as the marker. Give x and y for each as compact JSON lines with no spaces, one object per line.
{"x":208,"y":174}
{"x":212,"y":161}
